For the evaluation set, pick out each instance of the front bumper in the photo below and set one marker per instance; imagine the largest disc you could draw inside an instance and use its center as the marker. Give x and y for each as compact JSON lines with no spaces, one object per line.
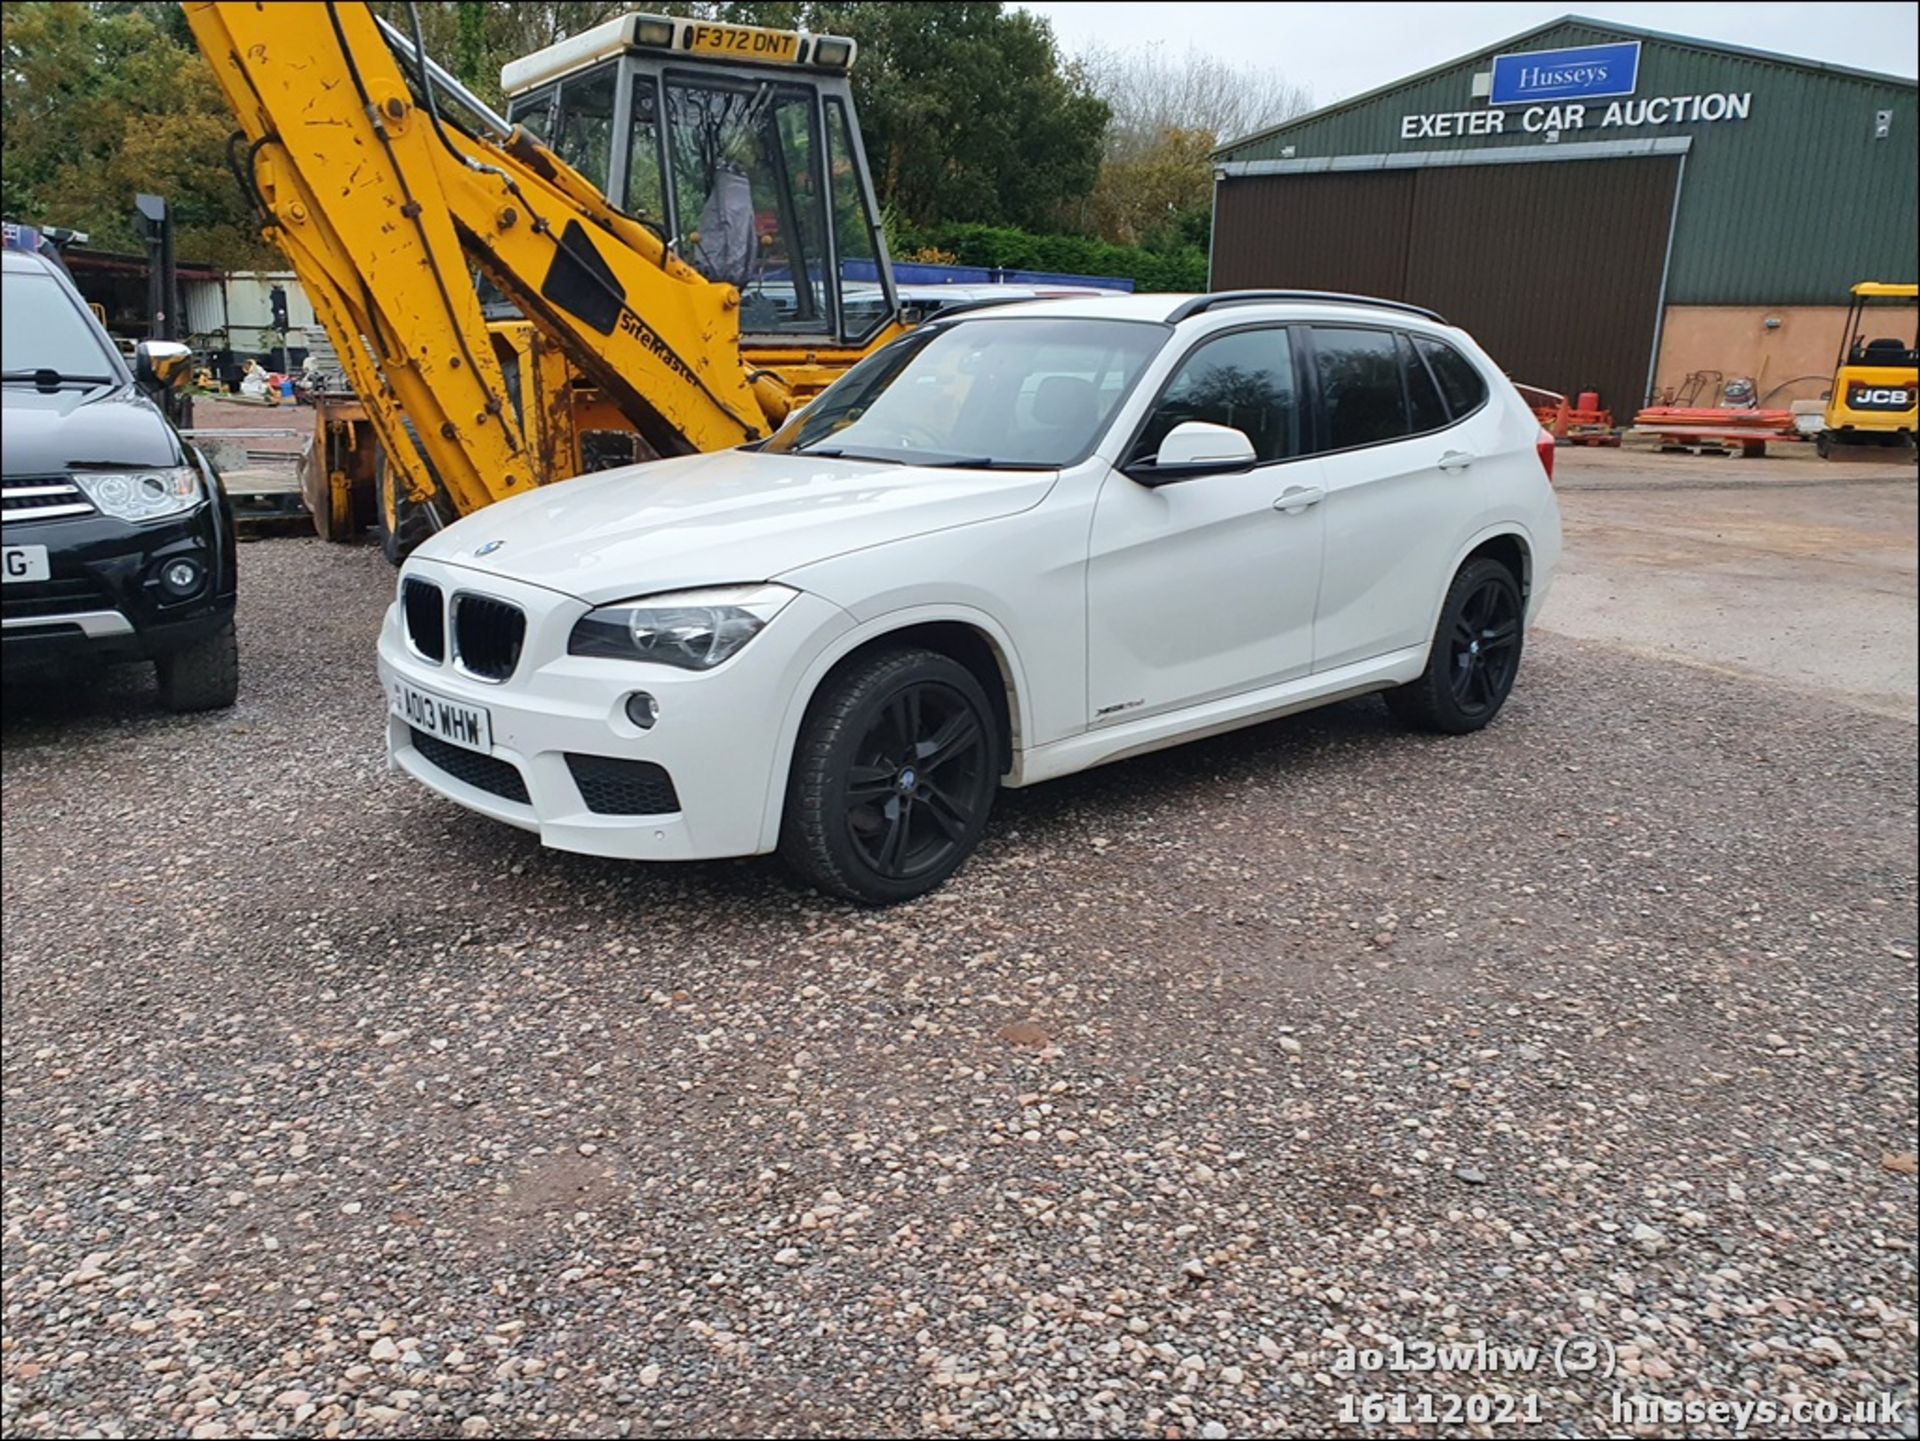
{"x":720,"y":735}
{"x":103,"y":600}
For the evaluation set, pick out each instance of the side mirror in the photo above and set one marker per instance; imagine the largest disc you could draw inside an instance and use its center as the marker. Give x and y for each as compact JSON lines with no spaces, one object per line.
{"x":162,"y":364}
{"x":1195,"y":448}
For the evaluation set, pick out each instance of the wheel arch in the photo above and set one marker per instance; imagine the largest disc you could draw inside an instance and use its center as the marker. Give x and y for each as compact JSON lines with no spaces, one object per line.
{"x":1512,"y":548}
{"x":1510,"y":544}
{"x":968,"y":636}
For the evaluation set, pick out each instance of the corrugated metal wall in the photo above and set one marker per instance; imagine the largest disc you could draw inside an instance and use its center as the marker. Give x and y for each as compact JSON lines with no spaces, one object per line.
{"x":1554,"y":268}
{"x":1345,"y":231}
{"x":1787,"y":207}
{"x":205,"y":302}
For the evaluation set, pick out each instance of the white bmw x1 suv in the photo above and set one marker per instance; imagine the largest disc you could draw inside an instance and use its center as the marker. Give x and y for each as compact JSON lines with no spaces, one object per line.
{"x":1015,"y":543}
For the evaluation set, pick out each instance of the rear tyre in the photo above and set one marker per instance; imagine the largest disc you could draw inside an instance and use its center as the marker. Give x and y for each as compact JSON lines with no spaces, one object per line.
{"x":202,"y":676}
{"x":1475,"y":654}
{"x":893,"y":777}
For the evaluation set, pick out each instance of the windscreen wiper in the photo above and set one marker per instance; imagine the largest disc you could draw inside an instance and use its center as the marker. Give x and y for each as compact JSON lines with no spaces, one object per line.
{"x":834,"y":452}
{"x":984,"y":462}
{"x":49,"y":377}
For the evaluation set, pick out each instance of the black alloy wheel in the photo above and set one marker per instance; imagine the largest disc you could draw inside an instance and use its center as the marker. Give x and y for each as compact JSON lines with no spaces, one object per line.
{"x":895,"y":773}
{"x":1484,"y":648}
{"x":1475,"y":653}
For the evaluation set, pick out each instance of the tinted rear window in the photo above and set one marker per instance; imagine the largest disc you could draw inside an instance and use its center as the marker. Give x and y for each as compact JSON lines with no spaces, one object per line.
{"x":1360,"y":386}
{"x":1429,"y":411}
{"x":1462,"y":385}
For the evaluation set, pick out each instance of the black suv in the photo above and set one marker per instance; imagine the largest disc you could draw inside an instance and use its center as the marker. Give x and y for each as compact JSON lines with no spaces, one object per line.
{"x":118,"y":539}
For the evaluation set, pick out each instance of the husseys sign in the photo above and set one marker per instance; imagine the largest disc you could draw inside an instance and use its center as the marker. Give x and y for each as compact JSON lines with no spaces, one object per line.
{"x":1546,"y":92}
{"x":1587,"y":72}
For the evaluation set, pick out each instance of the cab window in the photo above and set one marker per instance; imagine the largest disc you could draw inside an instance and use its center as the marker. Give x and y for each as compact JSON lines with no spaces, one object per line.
{"x":583,"y":126}
{"x":534,"y":113}
{"x":747,"y":198}
{"x":865,"y":305}
{"x":645,"y":196}
{"x":1244,"y":380}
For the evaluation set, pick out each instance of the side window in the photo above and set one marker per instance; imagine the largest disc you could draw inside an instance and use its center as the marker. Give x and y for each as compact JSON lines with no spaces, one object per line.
{"x":1464,"y":387}
{"x":864,"y":304}
{"x":535,"y":113}
{"x":1423,"y":396}
{"x":644,"y":193}
{"x":1244,"y":380}
{"x":1360,"y":386}
{"x":583,"y":136}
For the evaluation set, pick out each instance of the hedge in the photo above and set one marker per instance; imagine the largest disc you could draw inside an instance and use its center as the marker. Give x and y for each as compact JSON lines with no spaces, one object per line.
{"x":1007,"y":249}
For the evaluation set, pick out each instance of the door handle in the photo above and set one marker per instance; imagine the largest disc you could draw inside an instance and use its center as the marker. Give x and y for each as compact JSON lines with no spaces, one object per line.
{"x":1296,"y":498}
{"x":1455,"y":460}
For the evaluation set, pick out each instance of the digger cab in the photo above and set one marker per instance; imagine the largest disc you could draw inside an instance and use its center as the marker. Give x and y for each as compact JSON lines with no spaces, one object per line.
{"x":740,"y":146}
{"x":1876,"y":376}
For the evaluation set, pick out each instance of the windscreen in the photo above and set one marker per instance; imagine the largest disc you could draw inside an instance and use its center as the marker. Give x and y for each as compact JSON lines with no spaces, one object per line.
{"x":42,"y":329}
{"x":1015,"y":392}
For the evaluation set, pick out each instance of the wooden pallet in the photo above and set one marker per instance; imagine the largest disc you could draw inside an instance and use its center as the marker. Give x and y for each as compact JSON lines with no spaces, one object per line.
{"x":1751,"y":444}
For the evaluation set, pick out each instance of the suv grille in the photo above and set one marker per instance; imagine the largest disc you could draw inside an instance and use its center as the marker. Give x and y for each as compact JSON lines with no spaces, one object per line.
{"x":485,"y":773}
{"x":46,"y":499}
{"x":62,"y":595}
{"x":426,"y":618}
{"x":613,"y":787}
{"x":487,"y":635}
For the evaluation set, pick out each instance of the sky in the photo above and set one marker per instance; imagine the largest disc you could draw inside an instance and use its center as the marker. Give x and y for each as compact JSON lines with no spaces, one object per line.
{"x":1340,"y":50}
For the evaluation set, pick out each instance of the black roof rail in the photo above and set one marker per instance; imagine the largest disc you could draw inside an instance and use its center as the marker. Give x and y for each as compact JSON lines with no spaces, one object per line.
{"x":1202,"y":303}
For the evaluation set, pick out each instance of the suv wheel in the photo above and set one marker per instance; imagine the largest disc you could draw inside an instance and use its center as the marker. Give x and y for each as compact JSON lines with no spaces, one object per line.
{"x":202,"y":676}
{"x":893,"y":776}
{"x":1475,"y":654}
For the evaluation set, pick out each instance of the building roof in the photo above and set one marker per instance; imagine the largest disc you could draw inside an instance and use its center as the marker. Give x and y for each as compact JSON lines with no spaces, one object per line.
{"x":1632,"y":32}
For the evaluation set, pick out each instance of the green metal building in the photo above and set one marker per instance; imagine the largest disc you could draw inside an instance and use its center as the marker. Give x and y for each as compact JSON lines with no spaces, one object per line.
{"x":1606,"y":208}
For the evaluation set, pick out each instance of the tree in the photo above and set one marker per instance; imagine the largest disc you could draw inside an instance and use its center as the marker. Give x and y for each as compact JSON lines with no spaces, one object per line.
{"x":103,"y":101}
{"x":1152,"y":94}
{"x":1169,"y":114}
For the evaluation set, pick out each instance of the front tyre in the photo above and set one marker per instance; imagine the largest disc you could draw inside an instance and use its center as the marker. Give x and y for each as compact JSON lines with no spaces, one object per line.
{"x":1475,"y":654}
{"x":399,"y":521}
{"x":201,"y":676}
{"x":893,"y":777}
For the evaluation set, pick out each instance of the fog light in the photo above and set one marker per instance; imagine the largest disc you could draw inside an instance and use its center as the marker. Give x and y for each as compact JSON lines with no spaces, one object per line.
{"x":642,"y":710}
{"x":181,"y":578}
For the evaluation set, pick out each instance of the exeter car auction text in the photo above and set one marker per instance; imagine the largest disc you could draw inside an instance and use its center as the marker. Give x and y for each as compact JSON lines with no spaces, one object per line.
{"x":1571,"y":115}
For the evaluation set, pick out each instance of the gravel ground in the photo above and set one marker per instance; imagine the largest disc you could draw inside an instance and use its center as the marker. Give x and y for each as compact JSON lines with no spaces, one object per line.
{"x":331,"y":1109}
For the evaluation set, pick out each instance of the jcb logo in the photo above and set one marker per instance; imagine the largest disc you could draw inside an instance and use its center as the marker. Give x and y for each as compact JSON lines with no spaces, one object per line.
{"x":1880,"y":398}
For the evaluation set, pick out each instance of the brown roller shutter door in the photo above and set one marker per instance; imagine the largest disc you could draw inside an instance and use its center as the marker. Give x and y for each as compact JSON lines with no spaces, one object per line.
{"x":1554,"y":267}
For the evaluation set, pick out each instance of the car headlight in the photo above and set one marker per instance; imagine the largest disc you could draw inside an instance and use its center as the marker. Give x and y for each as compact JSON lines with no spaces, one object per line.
{"x":141,"y":494}
{"x":691,"y":629}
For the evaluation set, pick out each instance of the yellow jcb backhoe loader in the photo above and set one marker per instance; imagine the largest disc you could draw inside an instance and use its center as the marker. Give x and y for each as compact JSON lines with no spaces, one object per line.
{"x":741,"y":269}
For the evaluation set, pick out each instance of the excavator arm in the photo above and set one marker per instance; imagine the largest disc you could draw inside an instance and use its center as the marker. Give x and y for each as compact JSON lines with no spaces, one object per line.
{"x":381,"y":205}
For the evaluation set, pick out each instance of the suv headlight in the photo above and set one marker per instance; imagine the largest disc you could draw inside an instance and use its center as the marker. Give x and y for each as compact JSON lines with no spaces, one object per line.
{"x":141,"y":494}
{"x":691,"y":629}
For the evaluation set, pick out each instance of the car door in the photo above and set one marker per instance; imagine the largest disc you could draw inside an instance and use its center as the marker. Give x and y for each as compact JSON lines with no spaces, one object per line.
{"x":1401,"y":491}
{"x":1204,"y":587}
